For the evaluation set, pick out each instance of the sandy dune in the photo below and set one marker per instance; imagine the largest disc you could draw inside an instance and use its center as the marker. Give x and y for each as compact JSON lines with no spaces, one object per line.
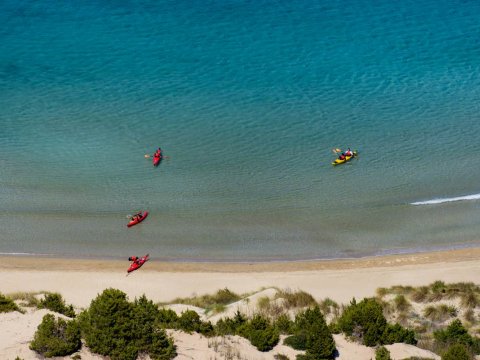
{"x":79,"y":281}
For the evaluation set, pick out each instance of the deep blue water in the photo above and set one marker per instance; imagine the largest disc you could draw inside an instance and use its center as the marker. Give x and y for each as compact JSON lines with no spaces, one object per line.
{"x":248,"y":98}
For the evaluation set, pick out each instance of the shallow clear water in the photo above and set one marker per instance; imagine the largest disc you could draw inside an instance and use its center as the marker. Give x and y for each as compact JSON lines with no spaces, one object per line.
{"x":248,"y":99}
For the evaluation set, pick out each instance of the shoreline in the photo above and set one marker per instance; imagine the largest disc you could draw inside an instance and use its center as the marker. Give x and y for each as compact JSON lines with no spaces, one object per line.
{"x":80,"y":281}
{"x":52,"y":263}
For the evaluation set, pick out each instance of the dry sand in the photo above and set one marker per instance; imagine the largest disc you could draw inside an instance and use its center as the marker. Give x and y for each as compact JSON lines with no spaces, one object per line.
{"x":79,"y":281}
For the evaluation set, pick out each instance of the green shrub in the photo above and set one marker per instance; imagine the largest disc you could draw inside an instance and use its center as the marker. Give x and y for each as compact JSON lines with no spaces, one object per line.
{"x":7,"y":304}
{"x":108,"y":326}
{"x":457,"y":352}
{"x":398,"y":334}
{"x":190,"y":321}
{"x":297,"y":341}
{"x":56,"y":337}
{"x":145,"y":314}
{"x":456,"y":333}
{"x":229,"y":326}
{"x":167,"y":317}
{"x":364,"y":321}
{"x":320,"y":343}
{"x":283,"y":324}
{"x":161,"y":346}
{"x":56,"y":303}
{"x":334,"y":327}
{"x":114,"y":327}
{"x":260,"y":332}
{"x":150,"y":338}
{"x":225,"y":297}
{"x":382,"y":353}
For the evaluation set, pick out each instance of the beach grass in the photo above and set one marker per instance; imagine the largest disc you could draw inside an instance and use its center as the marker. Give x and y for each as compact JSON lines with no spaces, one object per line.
{"x":295,"y":299}
{"x":210,"y":302}
{"x":28,"y":299}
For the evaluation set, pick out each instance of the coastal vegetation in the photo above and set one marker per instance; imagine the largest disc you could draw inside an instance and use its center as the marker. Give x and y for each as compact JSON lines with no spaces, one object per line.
{"x":434,"y":309}
{"x":51,"y":301}
{"x":215,"y":302}
{"x":311,"y":333}
{"x":27,"y":299}
{"x":56,"y":337}
{"x":382,"y":353}
{"x":442,"y":318}
{"x":113,"y":326}
{"x":366,"y":323}
{"x":56,"y":303}
{"x":7,"y":304}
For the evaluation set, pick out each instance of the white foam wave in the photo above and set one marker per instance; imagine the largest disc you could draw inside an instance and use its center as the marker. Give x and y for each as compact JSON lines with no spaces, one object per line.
{"x":445,"y":200}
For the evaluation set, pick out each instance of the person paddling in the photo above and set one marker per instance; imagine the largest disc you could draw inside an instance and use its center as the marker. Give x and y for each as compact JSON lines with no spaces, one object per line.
{"x":346,"y":153}
{"x":157,"y":157}
{"x":135,"y":259}
{"x":159,"y":151}
{"x":137,"y":216}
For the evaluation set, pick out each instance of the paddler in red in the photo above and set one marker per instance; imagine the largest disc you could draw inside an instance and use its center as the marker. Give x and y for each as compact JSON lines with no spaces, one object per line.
{"x":134,"y":259}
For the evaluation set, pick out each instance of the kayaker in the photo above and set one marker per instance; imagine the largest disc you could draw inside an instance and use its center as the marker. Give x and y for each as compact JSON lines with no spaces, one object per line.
{"x":348,"y":152}
{"x":135,"y":259}
{"x":137,"y":216}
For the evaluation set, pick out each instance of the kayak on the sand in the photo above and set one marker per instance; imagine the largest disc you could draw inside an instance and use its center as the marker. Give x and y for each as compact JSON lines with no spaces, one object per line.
{"x":137,"y":262}
{"x":137,"y":218}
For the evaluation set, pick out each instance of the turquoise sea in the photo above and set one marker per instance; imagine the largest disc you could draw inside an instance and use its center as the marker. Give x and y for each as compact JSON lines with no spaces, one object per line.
{"x":248,"y":98}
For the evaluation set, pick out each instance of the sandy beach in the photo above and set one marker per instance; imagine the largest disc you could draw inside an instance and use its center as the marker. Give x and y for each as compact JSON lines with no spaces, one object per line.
{"x":80,"y":280}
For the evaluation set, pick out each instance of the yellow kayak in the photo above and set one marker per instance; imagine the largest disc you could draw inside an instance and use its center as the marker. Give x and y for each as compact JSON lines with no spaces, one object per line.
{"x":344,"y":160}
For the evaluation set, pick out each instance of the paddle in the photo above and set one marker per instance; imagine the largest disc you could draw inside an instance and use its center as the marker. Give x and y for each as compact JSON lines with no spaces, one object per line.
{"x":148,"y":156}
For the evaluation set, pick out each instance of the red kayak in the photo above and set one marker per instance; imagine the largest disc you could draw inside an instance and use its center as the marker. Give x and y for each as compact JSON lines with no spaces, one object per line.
{"x":157,"y":157}
{"x":138,"y":263}
{"x":138,"y":220}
